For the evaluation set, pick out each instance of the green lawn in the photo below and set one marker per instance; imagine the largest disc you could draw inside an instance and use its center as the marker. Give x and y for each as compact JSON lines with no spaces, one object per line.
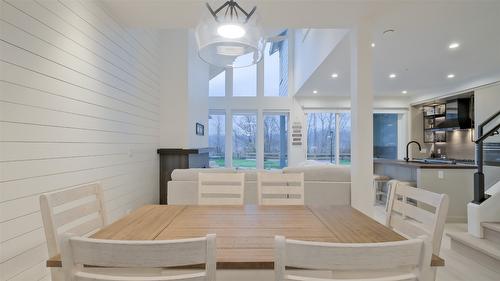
{"x":251,"y":164}
{"x":245,"y":163}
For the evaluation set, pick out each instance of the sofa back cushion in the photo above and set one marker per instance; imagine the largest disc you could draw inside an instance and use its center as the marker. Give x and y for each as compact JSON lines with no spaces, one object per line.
{"x":251,"y":175}
{"x":324,"y":173}
{"x":192,"y":174}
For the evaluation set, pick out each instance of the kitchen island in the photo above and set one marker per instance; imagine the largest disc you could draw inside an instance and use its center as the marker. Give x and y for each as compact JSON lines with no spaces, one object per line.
{"x":456,"y":180}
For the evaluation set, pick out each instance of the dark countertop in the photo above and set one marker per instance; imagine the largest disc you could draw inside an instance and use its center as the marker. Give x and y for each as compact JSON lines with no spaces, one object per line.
{"x":181,"y":151}
{"x":418,"y":165}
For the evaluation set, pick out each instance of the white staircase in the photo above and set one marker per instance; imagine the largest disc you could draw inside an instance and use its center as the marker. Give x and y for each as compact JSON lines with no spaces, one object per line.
{"x":482,"y":241}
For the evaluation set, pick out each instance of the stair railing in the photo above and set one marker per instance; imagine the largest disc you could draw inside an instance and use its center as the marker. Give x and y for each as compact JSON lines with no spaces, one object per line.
{"x":479,"y":195}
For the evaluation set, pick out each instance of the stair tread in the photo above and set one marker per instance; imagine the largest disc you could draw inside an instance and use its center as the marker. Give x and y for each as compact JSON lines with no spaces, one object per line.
{"x":495,"y":226}
{"x":487,"y":247}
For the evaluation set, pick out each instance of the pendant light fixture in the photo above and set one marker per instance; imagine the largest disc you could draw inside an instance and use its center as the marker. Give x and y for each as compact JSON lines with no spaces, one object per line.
{"x":229,"y":36}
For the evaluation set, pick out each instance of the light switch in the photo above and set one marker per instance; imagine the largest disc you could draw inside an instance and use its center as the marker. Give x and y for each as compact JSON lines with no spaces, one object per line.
{"x":424,"y":150}
{"x":441,"y":174}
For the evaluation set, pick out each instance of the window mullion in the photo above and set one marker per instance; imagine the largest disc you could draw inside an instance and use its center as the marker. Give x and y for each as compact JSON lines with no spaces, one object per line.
{"x":229,"y":139}
{"x":260,"y":139}
{"x":337,"y":138}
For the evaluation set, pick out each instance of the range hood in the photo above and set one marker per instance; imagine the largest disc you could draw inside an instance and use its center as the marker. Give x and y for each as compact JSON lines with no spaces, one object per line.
{"x":459,"y":115}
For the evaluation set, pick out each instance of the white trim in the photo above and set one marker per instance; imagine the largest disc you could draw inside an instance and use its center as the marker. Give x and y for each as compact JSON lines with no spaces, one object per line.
{"x":229,"y":140}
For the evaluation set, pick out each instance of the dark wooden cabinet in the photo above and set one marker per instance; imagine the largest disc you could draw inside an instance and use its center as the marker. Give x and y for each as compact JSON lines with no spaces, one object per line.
{"x":178,"y":158}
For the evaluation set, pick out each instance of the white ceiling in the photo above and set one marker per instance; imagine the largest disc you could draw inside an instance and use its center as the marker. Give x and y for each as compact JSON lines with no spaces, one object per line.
{"x":417,"y":51}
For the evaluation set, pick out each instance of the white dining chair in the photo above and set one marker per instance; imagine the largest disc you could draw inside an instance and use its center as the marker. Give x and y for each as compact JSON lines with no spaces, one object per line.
{"x":280,"y":189}
{"x":413,"y":212}
{"x":395,"y":261}
{"x":77,"y":210}
{"x":221,"y":188}
{"x":141,"y":255}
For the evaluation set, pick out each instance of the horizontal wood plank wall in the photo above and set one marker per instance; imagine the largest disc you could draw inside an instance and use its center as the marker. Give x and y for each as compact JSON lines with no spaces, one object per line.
{"x":79,"y":96}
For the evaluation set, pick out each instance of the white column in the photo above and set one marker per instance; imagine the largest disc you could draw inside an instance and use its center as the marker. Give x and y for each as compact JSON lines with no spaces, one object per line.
{"x":362,"y":193}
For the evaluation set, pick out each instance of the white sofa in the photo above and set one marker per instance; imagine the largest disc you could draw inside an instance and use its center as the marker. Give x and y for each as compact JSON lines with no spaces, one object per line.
{"x":323,"y":185}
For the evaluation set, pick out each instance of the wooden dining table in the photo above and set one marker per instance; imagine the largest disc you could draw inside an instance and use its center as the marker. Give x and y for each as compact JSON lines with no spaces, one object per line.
{"x":245,"y":234}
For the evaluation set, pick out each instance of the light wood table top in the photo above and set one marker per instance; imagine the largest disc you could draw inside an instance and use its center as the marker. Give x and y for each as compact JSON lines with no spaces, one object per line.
{"x":245,"y":234}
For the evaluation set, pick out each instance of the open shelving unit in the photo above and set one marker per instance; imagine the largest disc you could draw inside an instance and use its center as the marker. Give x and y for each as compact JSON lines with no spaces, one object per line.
{"x":433,"y":116}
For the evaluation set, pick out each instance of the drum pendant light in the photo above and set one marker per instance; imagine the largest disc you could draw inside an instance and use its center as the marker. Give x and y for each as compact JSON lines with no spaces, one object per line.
{"x":229,"y":36}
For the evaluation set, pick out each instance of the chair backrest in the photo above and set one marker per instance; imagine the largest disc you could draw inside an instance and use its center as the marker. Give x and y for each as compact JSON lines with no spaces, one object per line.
{"x":402,"y":260}
{"x":221,"y":188}
{"x":414,"y":212}
{"x":80,"y":251}
{"x":78,"y":210}
{"x":280,"y":189}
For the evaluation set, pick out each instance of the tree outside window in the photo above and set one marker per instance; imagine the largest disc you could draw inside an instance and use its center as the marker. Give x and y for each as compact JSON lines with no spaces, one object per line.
{"x":275,"y":140}
{"x":244,"y":141}
{"x":217,"y":139}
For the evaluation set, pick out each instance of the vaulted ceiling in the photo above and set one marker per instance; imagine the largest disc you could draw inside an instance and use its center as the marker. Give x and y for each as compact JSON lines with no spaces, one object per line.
{"x":417,"y":51}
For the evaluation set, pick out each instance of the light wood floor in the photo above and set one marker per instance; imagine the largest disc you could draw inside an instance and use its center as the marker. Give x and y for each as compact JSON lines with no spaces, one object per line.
{"x":459,"y":267}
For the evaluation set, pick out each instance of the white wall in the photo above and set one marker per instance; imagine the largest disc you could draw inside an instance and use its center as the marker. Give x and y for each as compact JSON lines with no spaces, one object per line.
{"x":184,"y":83}
{"x":487,"y":103}
{"x":198,"y":72}
{"x":79,"y":102}
{"x":174,"y":87}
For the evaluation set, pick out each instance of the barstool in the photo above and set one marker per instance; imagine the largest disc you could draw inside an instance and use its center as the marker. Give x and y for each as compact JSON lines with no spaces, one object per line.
{"x":381,"y":191}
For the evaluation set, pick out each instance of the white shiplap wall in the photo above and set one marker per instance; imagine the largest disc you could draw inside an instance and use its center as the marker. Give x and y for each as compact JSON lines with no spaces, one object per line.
{"x":79,"y":102}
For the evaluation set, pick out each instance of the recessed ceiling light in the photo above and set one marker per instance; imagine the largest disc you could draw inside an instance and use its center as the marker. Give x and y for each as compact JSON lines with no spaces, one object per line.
{"x":373,"y":45}
{"x":451,"y":75}
{"x":315,"y":92}
{"x":392,"y":75}
{"x":335,"y":75}
{"x":404,"y":92}
{"x":454,"y":45}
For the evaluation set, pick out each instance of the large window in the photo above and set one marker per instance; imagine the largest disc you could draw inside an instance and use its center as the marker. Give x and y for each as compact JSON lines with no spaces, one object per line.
{"x":251,"y":144}
{"x":245,"y":81}
{"x":217,"y":85}
{"x":321,"y":136}
{"x":329,"y":137}
{"x":244,"y":141}
{"x":385,"y":135}
{"x":217,"y":139}
{"x":275,"y":140}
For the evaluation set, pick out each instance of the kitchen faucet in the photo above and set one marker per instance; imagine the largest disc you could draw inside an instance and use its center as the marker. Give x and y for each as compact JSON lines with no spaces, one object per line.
{"x":407,"y":158}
